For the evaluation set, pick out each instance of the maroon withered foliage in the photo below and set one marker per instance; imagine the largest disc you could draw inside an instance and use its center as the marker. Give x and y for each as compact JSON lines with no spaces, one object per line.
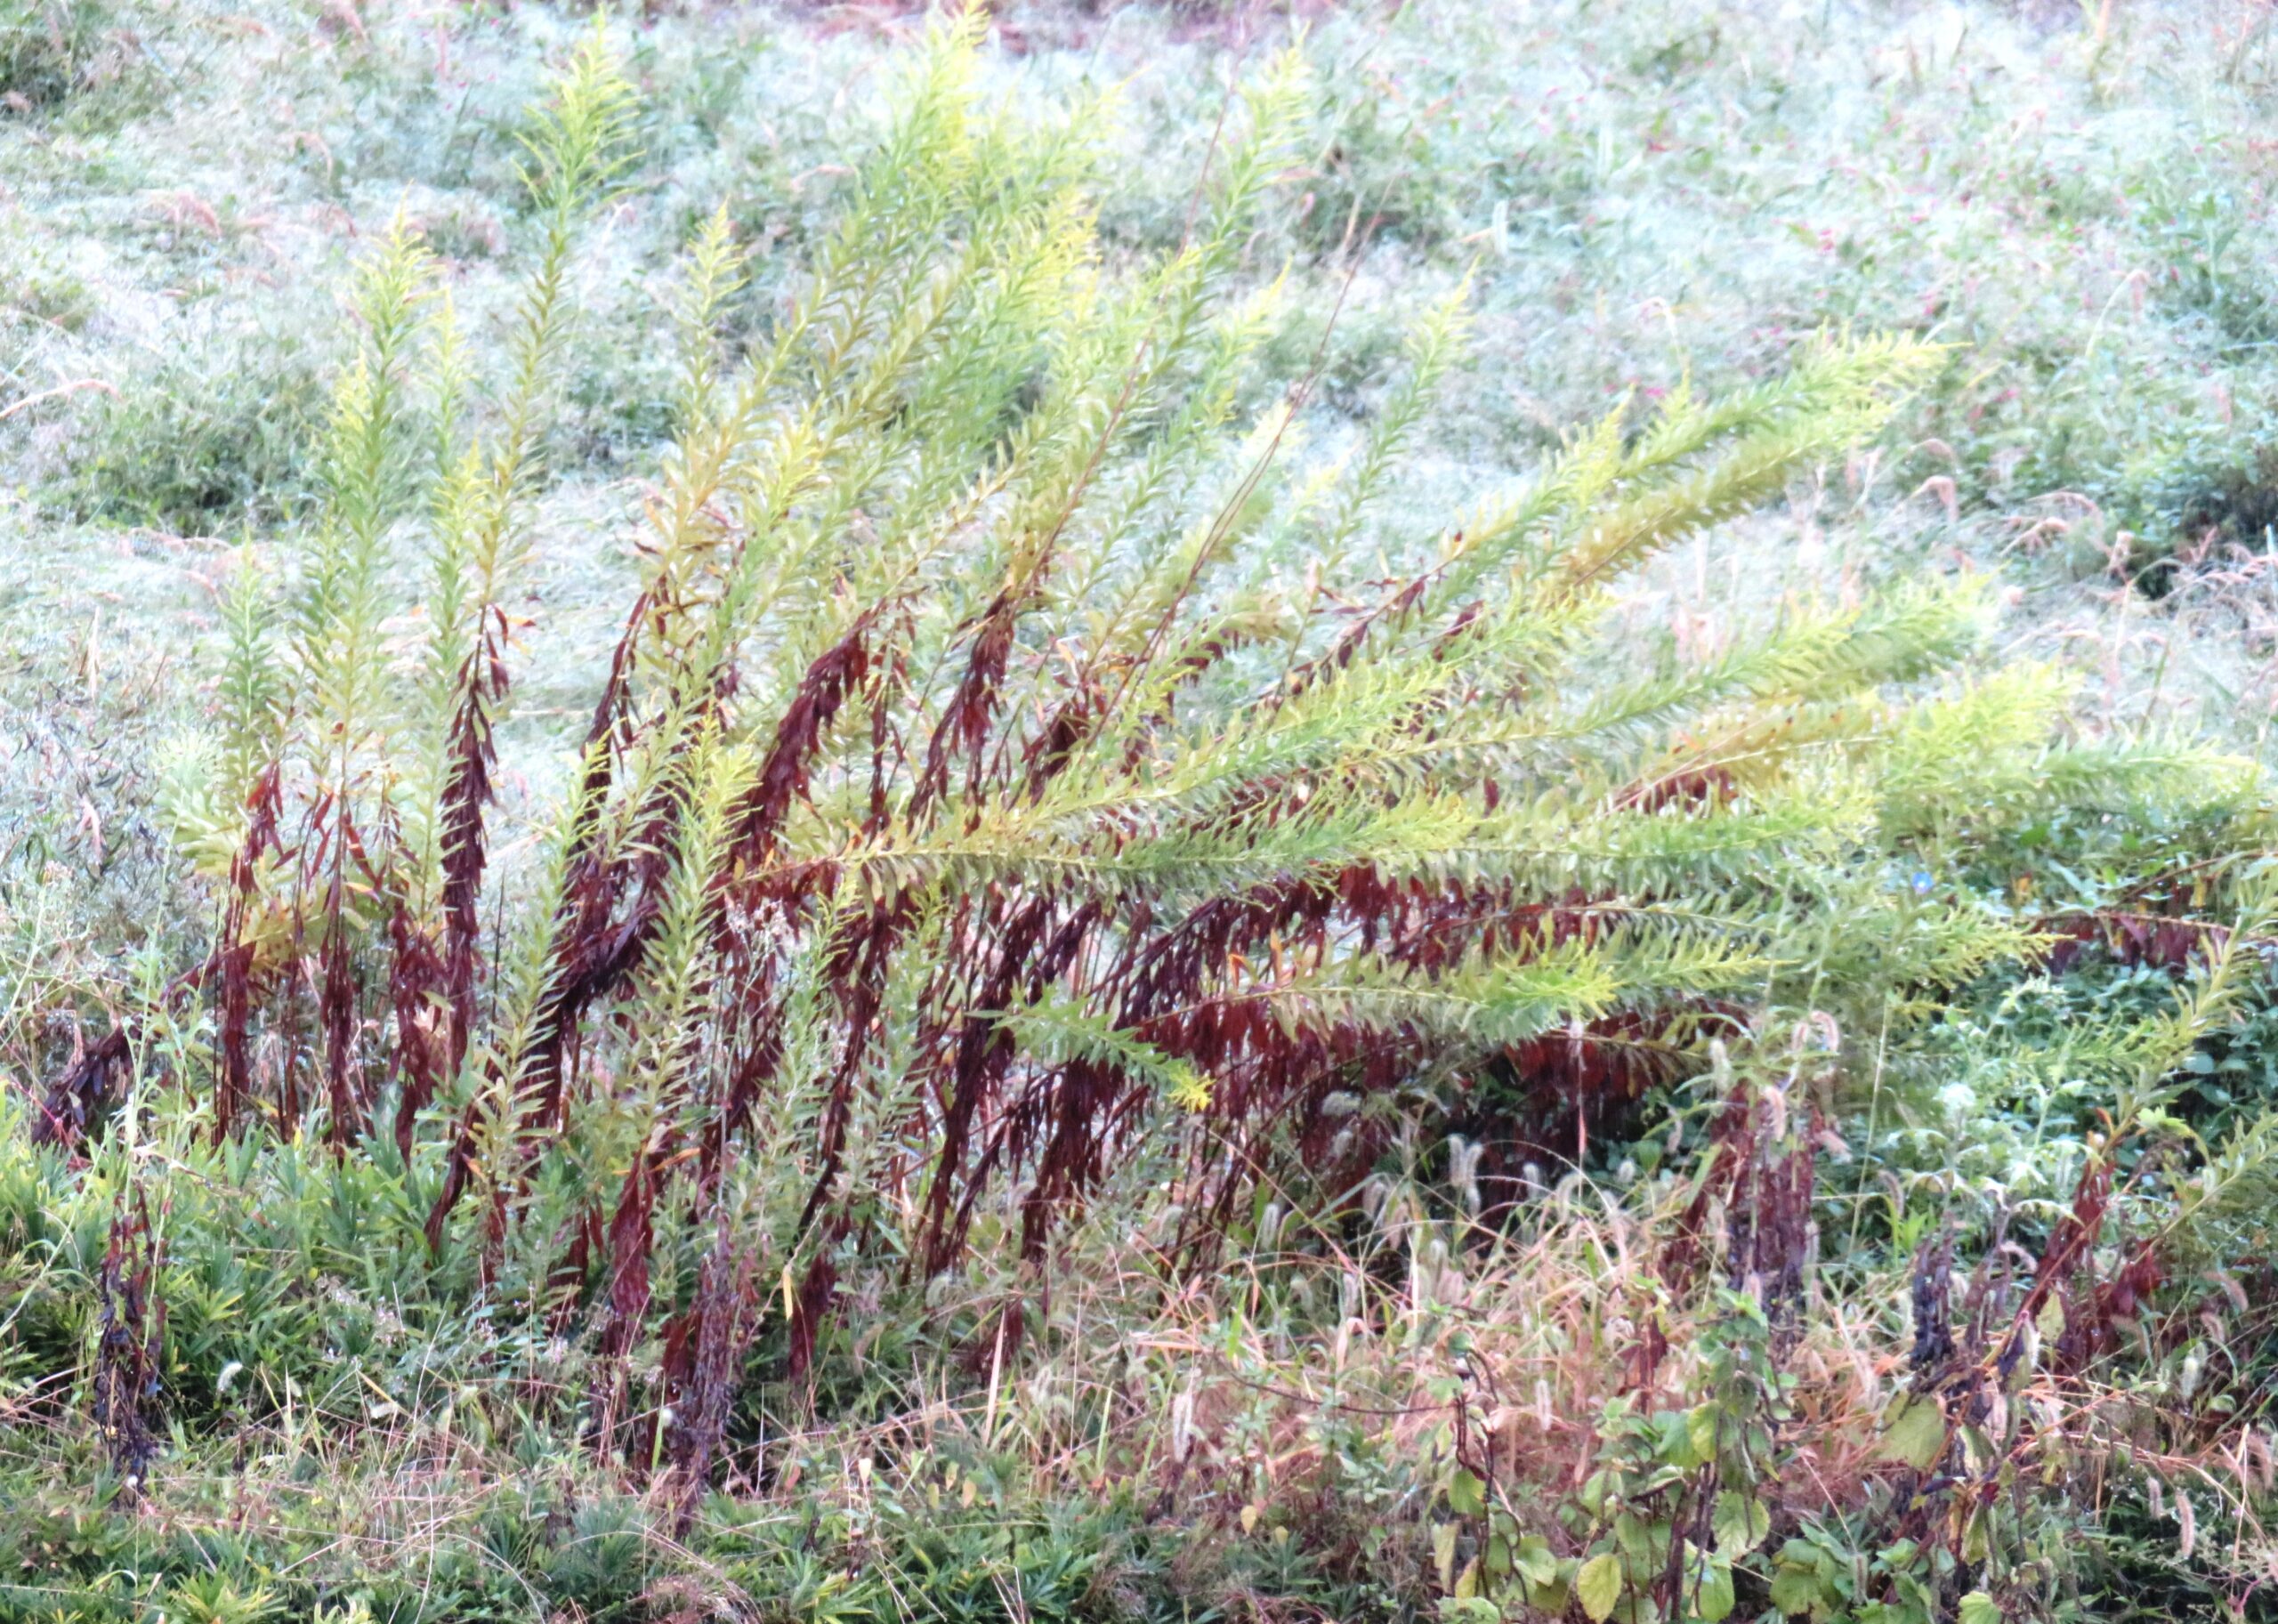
{"x":1760,"y":1172}
{"x":130,"y":1330}
{"x":234,"y":954}
{"x":82,"y":1089}
{"x":467,"y":792}
{"x":704,"y":1349}
{"x":418,"y":1001}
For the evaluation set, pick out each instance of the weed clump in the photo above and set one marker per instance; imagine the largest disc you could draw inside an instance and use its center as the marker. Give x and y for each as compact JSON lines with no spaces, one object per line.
{"x":53,"y":51}
{"x":197,"y":440}
{"x":37,"y":292}
{"x":1090,"y":1020}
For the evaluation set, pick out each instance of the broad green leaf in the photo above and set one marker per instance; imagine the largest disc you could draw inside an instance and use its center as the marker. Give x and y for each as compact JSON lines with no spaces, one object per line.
{"x":1803,"y":1554}
{"x":1598,"y":1585}
{"x":1701,"y":1429}
{"x":1469,"y":1610}
{"x":1548,"y":1596}
{"x":1673,"y":1441}
{"x":1795,"y":1589}
{"x":1741,"y":1523}
{"x":1915,"y":1431}
{"x":1533,"y":1559}
{"x":1635,"y":1539}
{"x":1467,"y":1495}
{"x":1712,"y":1597}
{"x":1979,"y":1608}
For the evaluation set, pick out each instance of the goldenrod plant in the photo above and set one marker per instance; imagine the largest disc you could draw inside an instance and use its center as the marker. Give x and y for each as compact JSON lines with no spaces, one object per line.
{"x":1088,"y":946}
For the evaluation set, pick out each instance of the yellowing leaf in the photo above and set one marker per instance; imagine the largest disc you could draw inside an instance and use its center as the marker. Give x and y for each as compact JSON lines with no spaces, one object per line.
{"x":1598,"y":1587}
{"x":1795,"y":1589}
{"x":1977,"y":1542}
{"x":1190,"y":1089}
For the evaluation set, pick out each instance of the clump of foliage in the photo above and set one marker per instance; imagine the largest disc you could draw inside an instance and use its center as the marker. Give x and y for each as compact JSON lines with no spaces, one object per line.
{"x":35,"y":291}
{"x":1041,"y":838}
{"x":51,"y":50}
{"x":197,"y":440}
{"x":978,"y":775}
